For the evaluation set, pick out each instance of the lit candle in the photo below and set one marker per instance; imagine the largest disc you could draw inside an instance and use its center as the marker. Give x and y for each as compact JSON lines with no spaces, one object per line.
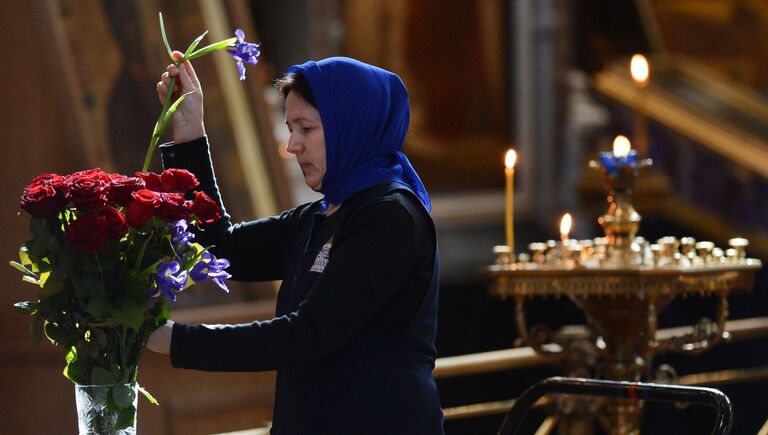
{"x":509,"y":171}
{"x":623,"y":155}
{"x":621,"y":146}
{"x":565,"y":227}
{"x":640,"y":71}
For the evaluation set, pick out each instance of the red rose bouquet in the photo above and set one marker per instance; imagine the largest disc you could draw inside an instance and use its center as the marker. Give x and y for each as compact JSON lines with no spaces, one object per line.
{"x":108,"y":254}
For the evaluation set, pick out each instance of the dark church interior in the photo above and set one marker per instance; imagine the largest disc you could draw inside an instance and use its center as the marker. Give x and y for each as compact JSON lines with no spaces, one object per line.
{"x":658,"y":279}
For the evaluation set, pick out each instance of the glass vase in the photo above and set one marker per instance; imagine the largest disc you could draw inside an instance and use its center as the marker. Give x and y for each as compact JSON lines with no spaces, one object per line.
{"x":106,"y":409}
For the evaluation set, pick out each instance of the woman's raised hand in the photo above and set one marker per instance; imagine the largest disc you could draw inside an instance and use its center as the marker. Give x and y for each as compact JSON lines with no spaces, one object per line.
{"x":187,"y":122}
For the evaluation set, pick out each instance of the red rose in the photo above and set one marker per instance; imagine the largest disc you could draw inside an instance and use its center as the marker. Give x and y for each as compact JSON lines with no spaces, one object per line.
{"x":142,"y":207}
{"x":121,"y":188}
{"x":89,"y":190}
{"x":40,"y":200}
{"x":178,"y":180}
{"x":172,"y":207}
{"x":204,"y":208}
{"x":92,"y":173}
{"x":116,"y":225}
{"x":151,"y":180}
{"x":60,"y":184}
{"x":88,"y":233}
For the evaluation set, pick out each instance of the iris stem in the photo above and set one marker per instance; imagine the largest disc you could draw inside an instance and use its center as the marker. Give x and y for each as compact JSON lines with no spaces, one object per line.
{"x":160,"y":125}
{"x":140,"y":257}
{"x":98,"y":264}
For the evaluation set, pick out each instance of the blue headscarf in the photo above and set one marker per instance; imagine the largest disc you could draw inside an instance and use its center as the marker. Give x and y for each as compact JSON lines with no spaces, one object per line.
{"x":365,"y":114}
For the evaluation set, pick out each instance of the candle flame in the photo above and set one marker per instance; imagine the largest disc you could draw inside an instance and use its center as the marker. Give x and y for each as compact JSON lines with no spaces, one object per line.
{"x":565,"y":226}
{"x":621,"y":146}
{"x":510,"y":158}
{"x":640,"y":69}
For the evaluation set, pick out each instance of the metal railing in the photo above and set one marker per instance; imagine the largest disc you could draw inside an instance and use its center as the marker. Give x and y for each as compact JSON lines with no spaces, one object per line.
{"x":622,"y":390}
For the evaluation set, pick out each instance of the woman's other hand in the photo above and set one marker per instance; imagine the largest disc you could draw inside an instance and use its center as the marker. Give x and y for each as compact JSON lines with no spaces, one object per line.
{"x":187,"y":122}
{"x":160,"y":340}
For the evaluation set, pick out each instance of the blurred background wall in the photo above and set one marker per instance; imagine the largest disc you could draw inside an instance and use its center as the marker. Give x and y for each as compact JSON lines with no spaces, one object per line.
{"x":77,"y":91}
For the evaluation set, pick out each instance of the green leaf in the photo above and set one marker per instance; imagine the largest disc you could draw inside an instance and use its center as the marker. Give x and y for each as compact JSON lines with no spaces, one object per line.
{"x":52,"y":283}
{"x":52,"y":289}
{"x":30,"y":280}
{"x":26,"y":307}
{"x":74,"y":372}
{"x":194,"y":43}
{"x":111,"y":256}
{"x":119,"y":374}
{"x":102,"y":376}
{"x":89,"y":263}
{"x":210,"y":48}
{"x":125,"y":417}
{"x":135,"y":285}
{"x":99,"y":338}
{"x":44,"y":265}
{"x":38,"y":227}
{"x":24,"y":256}
{"x":20,"y":267}
{"x":57,"y":334}
{"x":166,"y":117}
{"x":98,"y":306}
{"x":165,"y":38}
{"x":52,"y":244}
{"x":87,"y":350}
{"x":123,"y":395}
{"x":172,"y":110}
{"x":88,"y":285}
{"x":71,"y":355}
{"x":42,"y":245}
{"x":192,"y":255}
{"x":130,"y":315}
{"x":149,"y":397}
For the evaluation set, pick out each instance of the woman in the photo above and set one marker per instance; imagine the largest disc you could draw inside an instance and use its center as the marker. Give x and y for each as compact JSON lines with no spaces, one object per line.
{"x":353,"y":337}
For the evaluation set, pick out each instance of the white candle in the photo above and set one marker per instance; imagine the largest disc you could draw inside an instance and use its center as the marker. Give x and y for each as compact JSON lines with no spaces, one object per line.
{"x":640,"y":70}
{"x":565,"y":227}
{"x":509,"y":171}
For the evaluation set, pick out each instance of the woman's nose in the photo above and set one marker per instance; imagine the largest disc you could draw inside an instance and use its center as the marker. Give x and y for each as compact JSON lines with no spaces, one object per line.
{"x":293,"y":146}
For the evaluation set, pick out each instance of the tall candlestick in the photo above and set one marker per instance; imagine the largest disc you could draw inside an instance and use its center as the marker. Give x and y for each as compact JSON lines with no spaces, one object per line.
{"x":509,"y":172}
{"x":640,"y":70}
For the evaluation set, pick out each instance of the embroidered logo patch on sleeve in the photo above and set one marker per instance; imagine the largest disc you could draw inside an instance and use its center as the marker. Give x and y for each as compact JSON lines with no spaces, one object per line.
{"x":322,"y":258}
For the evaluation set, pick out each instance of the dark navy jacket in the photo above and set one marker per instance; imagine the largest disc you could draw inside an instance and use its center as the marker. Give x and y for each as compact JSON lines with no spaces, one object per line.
{"x":356,"y":317}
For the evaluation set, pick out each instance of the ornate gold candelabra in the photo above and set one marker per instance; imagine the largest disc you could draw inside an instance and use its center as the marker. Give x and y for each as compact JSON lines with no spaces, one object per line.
{"x":621,"y":282}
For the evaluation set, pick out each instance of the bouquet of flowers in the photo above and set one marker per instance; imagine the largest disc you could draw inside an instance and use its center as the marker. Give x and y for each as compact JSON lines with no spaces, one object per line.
{"x":108,"y":254}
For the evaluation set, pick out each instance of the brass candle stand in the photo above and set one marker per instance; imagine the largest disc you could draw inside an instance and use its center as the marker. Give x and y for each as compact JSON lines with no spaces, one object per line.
{"x":621,"y":282}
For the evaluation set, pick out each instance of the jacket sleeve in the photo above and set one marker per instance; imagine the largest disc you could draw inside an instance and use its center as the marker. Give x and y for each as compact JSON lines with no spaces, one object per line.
{"x":257,"y":250}
{"x":372,"y":257}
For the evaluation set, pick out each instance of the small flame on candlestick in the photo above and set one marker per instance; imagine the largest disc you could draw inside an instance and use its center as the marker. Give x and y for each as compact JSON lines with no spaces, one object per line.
{"x":639,"y":69}
{"x":621,"y":146}
{"x":565,"y":226}
{"x":510,"y":158}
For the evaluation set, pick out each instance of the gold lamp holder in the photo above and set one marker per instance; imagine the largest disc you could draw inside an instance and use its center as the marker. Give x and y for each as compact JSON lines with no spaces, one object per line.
{"x":621,"y":282}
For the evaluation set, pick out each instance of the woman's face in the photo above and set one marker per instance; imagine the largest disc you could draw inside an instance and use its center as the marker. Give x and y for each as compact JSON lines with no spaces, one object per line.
{"x":307,"y":140}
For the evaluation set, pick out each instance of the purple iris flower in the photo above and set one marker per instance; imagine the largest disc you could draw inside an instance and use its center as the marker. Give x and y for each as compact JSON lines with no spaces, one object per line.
{"x":180,"y":235}
{"x":169,"y":280}
{"x":243,"y":52}
{"x":209,"y":267}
